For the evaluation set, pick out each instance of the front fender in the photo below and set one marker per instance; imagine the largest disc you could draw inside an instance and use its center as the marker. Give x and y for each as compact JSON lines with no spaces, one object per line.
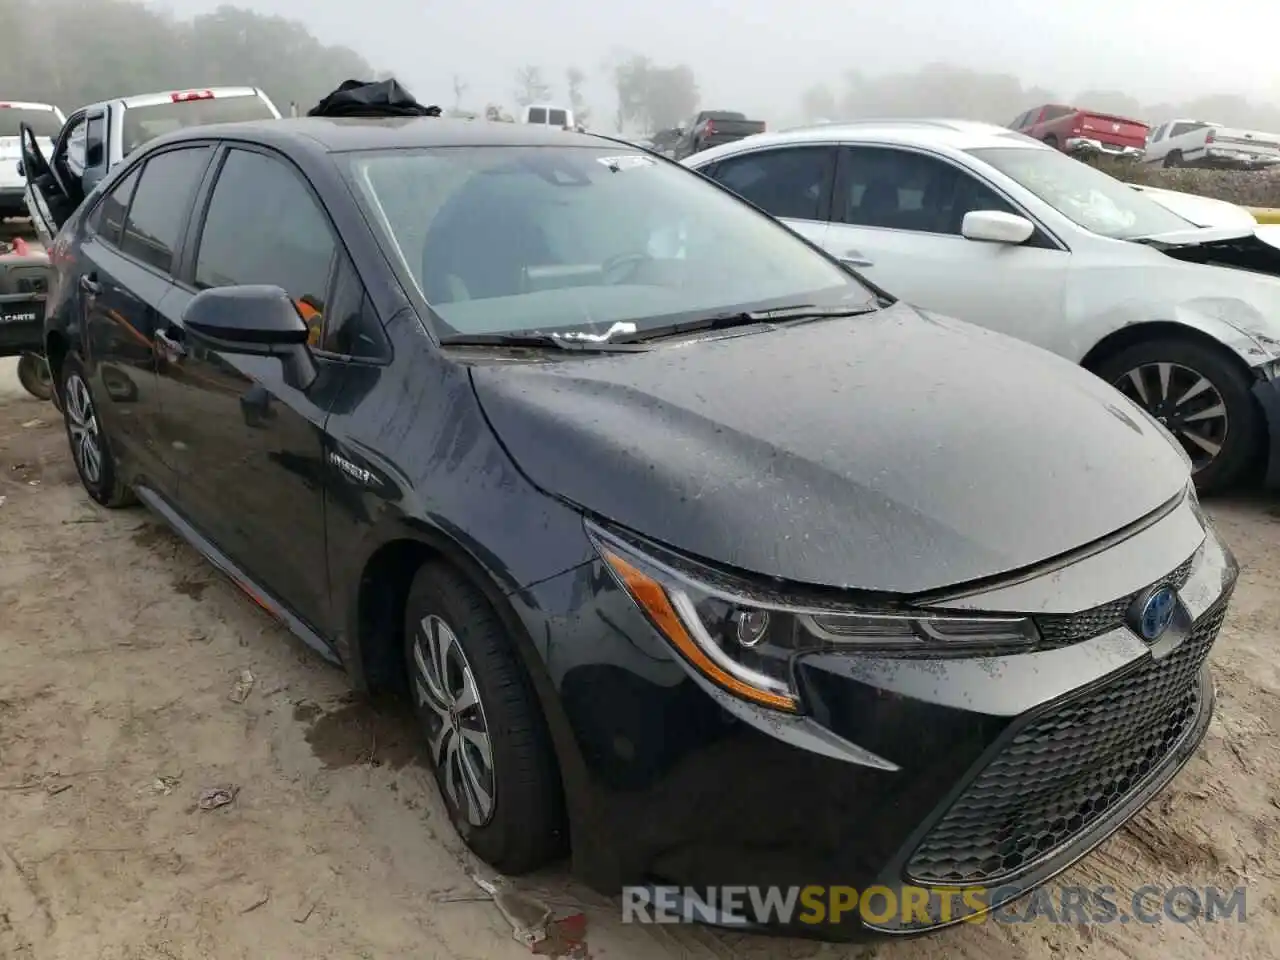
{"x":1108,"y":302}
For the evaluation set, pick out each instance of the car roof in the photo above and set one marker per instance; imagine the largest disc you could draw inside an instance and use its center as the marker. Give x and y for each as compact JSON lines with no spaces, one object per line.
{"x":956,"y":134}
{"x":26,"y":105}
{"x":345,"y":134}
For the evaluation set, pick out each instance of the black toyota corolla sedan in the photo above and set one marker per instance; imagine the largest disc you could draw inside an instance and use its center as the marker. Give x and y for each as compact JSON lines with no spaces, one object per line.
{"x":698,"y":556}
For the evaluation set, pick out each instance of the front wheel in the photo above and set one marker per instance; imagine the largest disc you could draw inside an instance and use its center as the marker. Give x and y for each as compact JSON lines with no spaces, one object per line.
{"x":485,"y":734}
{"x":1173,"y":159}
{"x":90,"y":447}
{"x":1201,"y":395}
{"x":33,"y":374}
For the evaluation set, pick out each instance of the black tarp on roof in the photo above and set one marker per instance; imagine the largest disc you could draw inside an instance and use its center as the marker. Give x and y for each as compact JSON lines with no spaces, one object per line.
{"x":371,"y":98}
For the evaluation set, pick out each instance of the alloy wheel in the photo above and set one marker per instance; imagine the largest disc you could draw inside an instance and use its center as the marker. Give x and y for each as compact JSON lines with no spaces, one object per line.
{"x":1185,"y":402}
{"x":458,"y":733}
{"x":82,"y":421}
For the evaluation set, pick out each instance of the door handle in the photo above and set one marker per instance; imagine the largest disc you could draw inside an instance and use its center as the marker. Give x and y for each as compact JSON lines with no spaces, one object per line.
{"x":855,"y":258}
{"x":173,"y":350}
{"x":89,"y":284}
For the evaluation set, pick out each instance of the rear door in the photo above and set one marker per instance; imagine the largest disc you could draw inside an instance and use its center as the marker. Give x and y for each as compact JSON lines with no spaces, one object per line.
{"x":125,"y":279}
{"x":793,"y":184}
{"x":247,"y":447}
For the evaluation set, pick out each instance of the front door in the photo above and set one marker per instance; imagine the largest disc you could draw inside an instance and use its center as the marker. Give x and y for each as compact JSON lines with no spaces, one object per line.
{"x":896,"y":216}
{"x":247,"y":447}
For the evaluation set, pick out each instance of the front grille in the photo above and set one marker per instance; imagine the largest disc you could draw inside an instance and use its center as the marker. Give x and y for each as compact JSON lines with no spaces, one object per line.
{"x":1065,"y":770}
{"x":1061,"y":629}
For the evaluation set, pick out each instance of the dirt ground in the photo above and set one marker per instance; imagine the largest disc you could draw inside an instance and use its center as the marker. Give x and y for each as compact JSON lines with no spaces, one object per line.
{"x":120,"y":650}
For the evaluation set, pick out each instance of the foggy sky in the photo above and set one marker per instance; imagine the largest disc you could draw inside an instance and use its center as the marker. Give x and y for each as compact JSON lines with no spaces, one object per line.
{"x":758,"y":55}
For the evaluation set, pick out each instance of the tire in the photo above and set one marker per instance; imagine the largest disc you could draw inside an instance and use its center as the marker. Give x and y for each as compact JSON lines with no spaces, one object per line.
{"x":33,"y":374}
{"x":1238,"y":432}
{"x":1173,"y":159}
{"x":1051,"y":141}
{"x":99,"y":476}
{"x":521,"y":828}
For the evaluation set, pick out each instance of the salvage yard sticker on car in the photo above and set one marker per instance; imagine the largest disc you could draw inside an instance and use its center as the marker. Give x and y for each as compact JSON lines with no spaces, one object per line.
{"x":629,"y":162}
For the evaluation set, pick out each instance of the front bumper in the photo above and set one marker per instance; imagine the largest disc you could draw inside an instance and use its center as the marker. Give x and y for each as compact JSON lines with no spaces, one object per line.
{"x":1091,"y":145}
{"x":992,"y":773}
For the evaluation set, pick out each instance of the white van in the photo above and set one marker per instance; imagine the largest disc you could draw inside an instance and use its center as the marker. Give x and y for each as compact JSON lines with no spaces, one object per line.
{"x":550,"y":115}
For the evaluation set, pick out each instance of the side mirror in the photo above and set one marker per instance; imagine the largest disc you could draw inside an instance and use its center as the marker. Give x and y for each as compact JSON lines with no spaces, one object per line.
{"x":257,"y":321}
{"x":996,"y":226}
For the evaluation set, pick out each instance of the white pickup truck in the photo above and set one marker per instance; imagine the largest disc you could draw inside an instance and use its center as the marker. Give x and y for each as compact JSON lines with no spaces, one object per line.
{"x":1201,"y":143}
{"x":45,"y":120}
{"x":96,"y":138}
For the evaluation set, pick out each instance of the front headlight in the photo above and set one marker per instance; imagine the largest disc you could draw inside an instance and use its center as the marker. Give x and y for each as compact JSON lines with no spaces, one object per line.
{"x":747,"y":643}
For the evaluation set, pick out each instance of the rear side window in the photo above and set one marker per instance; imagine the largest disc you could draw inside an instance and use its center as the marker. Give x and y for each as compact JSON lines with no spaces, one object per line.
{"x":108,"y":219}
{"x":1180,"y":128}
{"x":161,"y":205}
{"x":784,"y":183}
{"x":559,"y":118}
{"x":537,"y":115}
{"x":264,"y":226}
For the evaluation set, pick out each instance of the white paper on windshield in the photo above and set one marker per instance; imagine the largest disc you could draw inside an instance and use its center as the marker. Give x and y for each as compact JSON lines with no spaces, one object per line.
{"x":628,"y":162}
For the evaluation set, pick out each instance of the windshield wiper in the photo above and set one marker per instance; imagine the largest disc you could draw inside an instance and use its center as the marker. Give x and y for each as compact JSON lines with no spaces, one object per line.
{"x":795,"y":313}
{"x":532,"y":338}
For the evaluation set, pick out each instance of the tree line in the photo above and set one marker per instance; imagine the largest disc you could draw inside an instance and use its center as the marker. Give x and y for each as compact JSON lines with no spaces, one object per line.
{"x":70,"y":53}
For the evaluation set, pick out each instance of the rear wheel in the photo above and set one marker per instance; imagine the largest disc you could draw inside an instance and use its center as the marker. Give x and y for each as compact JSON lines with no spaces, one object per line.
{"x":90,"y":447}
{"x":33,"y":374}
{"x":1201,"y":395}
{"x":485,"y":733}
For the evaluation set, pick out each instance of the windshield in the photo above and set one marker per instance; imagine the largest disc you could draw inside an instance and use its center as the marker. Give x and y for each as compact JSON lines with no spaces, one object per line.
{"x":43,"y":123}
{"x":146,"y":123}
{"x":1084,"y":194}
{"x":513,"y":239}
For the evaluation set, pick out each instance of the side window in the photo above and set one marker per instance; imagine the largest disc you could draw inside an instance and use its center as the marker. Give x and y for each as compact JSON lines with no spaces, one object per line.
{"x":791,"y":182}
{"x":95,"y":141}
{"x":1032,"y":117}
{"x":107,"y":221}
{"x":75,"y":151}
{"x":1021,"y":121}
{"x":1180,"y":128}
{"x":537,"y":115}
{"x":901,"y":190}
{"x":350,"y":327}
{"x":161,"y":205}
{"x":290,"y":245}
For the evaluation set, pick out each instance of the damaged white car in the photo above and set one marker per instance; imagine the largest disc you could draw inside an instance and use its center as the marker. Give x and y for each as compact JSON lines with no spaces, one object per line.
{"x":987,"y":225}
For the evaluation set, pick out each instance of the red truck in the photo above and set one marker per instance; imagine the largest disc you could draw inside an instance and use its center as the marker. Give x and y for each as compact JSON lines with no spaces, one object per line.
{"x":1073,"y":130}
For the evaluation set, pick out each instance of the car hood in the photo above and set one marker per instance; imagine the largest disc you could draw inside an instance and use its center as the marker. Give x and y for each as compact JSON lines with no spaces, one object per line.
{"x":897,"y":452}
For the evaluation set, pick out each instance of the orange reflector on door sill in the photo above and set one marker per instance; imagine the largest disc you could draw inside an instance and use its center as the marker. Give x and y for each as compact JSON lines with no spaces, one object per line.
{"x":653,"y":600}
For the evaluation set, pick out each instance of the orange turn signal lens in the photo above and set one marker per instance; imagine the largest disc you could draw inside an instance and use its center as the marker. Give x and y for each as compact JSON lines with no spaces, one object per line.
{"x":652,"y":598}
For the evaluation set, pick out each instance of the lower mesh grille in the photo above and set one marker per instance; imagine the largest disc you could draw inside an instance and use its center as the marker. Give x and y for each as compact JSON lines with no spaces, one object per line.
{"x":1067,"y":769}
